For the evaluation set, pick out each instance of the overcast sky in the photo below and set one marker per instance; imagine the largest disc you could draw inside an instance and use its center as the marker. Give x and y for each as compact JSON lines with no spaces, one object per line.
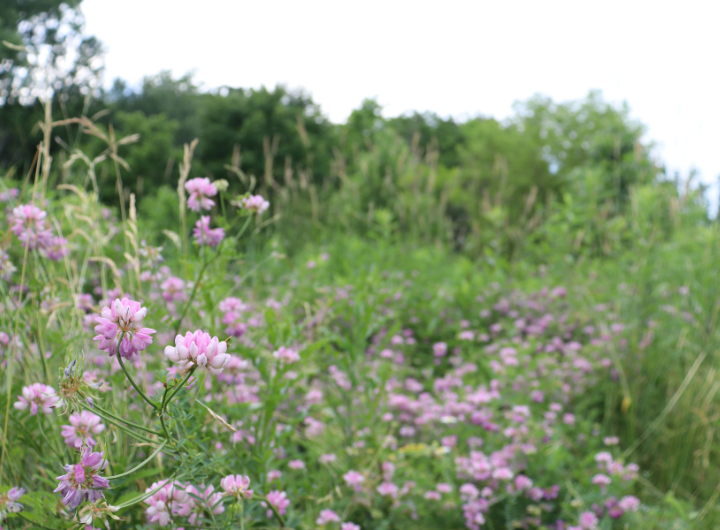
{"x":456,"y":58}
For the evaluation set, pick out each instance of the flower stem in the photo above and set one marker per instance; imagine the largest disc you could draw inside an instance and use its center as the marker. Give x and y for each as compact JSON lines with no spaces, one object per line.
{"x":141,"y":464}
{"x":192,"y":295}
{"x":104,"y":412}
{"x":127,"y":374}
{"x":181,"y":385}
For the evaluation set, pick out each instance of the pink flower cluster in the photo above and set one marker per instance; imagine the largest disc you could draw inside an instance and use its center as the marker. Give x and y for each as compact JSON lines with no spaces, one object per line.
{"x":198,"y":349}
{"x":286,"y":355}
{"x":8,"y":502}
{"x":122,"y":321}
{"x":82,"y":481}
{"x":255,"y":203}
{"x":204,"y":235}
{"x":278,"y":500}
{"x":81,"y":429}
{"x":166,"y":501}
{"x":29,"y":225}
{"x":200,"y":190}
{"x":237,"y":485}
{"x":233,"y":309}
{"x":38,"y":396}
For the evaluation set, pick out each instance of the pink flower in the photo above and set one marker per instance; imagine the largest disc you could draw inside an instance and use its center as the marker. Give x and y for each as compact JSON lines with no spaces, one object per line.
{"x":603,"y":457}
{"x":8,"y":502}
{"x":37,"y":396}
{"x":354,"y":479}
{"x":286,"y":355}
{"x":165,"y":502}
{"x":327,"y":516}
{"x":29,"y":226}
{"x":388,"y":489}
{"x":601,"y":480}
{"x":439,"y":349}
{"x":255,"y":203}
{"x":629,"y":503}
{"x":55,"y":248}
{"x":296,"y":464}
{"x":200,"y":189}
{"x":443,"y":487}
{"x":274,"y":474}
{"x":173,"y":289}
{"x":432,"y":496}
{"x":204,"y":235}
{"x":502,"y":473}
{"x":277,"y":499}
{"x":388,"y":470}
{"x":326,"y":459}
{"x":611,"y":440}
{"x":198,"y":349}
{"x":522,"y":482}
{"x":350,"y":526}
{"x":123,"y":319}
{"x":82,"y":427}
{"x":237,"y":485}
{"x":588,"y":521}
{"x":10,"y":194}
{"x":82,"y":481}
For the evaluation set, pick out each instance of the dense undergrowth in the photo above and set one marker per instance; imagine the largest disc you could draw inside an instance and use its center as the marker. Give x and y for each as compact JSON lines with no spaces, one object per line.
{"x":381,"y":359}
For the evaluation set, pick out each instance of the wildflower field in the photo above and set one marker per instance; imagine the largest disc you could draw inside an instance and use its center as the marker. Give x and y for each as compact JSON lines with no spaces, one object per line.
{"x":236,"y":353}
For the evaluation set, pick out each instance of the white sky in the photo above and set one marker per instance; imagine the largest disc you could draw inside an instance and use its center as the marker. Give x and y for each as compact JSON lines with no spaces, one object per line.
{"x":458,"y":58}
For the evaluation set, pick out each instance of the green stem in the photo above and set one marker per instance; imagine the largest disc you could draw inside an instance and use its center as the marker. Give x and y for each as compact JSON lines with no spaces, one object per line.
{"x":126,"y":422}
{"x":21,"y":516}
{"x":141,"y":464}
{"x":127,"y":431}
{"x":181,"y":385}
{"x":242,"y":230}
{"x":192,"y":296}
{"x":127,"y":374}
{"x":165,"y":429}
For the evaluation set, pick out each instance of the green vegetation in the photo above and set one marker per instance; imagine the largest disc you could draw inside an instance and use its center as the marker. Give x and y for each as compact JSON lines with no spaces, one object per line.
{"x":560,"y":194}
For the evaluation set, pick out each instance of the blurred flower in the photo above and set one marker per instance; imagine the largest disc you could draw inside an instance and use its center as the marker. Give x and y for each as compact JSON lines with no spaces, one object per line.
{"x":165,"y":502}
{"x":254,"y":203}
{"x":8,"y":502}
{"x":55,"y":248}
{"x":326,"y":517}
{"x":82,"y":426}
{"x":37,"y":396}
{"x":28,"y":224}
{"x":296,"y":464}
{"x":237,"y":485}
{"x":200,"y":189}
{"x":286,"y":355}
{"x":10,"y":194}
{"x":173,"y":289}
{"x":277,"y":499}
{"x":7,"y":269}
{"x":353,"y":479}
{"x":204,"y":235}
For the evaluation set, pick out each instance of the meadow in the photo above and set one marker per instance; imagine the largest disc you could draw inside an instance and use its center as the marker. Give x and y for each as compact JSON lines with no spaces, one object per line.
{"x":396,"y":346}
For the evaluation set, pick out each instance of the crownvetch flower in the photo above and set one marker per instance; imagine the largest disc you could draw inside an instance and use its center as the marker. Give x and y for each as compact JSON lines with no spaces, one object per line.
{"x":199,"y":349}
{"x":123,"y":319}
